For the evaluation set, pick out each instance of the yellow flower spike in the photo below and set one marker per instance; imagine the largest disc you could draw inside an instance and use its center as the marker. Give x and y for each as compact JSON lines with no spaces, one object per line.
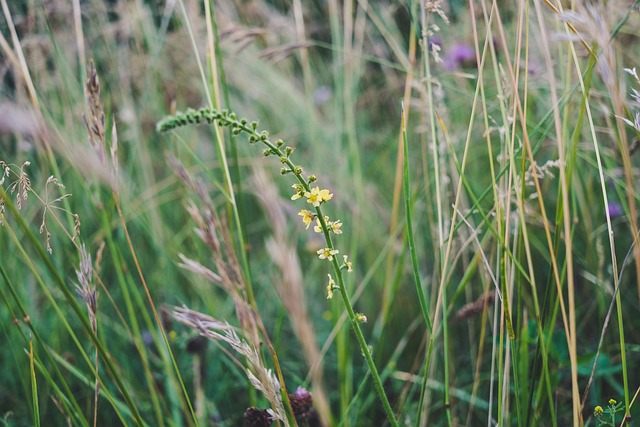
{"x":307,"y":217}
{"x":330,"y":287}
{"x":327,"y":253}
{"x":598,"y":411}
{"x":612,"y":402}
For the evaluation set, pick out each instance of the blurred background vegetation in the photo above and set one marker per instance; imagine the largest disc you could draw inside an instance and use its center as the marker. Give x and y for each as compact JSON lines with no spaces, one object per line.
{"x":331,"y":79}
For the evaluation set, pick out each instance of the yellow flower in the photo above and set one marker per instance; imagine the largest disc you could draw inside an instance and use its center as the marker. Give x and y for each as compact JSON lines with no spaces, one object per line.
{"x":330,"y":287}
{"x":317,"y":196}
{"x":299,"y":191}
{"x":327,"y":253}
{"x":318,"y":227}
{"x":598,"y":411}
{"x":307,"y":217}
{"x":612,"y":402}
{"x":335,"y":226}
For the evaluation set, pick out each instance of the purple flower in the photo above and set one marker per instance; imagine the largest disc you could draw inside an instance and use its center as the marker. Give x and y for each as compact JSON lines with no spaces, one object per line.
{"x":615,"y":210}
{"x":460,"y":56}
{"x":302,"y":393}
{"x":434,"y":40}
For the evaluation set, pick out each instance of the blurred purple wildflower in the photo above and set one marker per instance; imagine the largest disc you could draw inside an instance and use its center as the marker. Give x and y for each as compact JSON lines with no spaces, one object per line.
{"x":434,"y":40}
{"x":615,"y":210}
{"x":461,"y":55}
{"x":302,"y":393}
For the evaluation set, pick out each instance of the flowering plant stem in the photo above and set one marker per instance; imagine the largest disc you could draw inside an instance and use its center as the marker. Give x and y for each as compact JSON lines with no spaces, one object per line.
{"x":237,"y":126}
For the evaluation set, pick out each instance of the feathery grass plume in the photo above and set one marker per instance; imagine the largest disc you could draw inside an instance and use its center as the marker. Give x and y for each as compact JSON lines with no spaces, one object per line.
{"x":315,"y":199}
{"x":213,"y":231}
{"x":262,"y":378}
{"x":21,"y":187}
{"x":87,"y":291}
{"x":215,"y":234}
{"x":476,"y":307}
{"x":94,"y":121}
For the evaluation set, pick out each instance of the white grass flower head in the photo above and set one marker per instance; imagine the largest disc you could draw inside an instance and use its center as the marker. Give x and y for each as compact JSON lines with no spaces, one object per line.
{"x":634,"y":124}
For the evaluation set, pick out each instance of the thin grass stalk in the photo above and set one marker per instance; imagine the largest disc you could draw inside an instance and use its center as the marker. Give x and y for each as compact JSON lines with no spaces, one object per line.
{"x":441,"y":300}
{"x":432,"y":125}
{"x":480,"y":255}
{"x":566,"y":215}
{"x":230,"y":192}
{"x":529,"y":154}
{"x":610,"y":232}
{"x":34,"y":388}
{"x":524,"y":235}
{"x":393,"y":221}
{"x":34,"y":332}
{"x":119,"y":407}
{"x":337,"y":47}
{"x":77,"y":24}
{"x":123,"y":222}
{"x":424,"y":307}
{"x":414,"y":257}
{"x":132,"y":317}
{"x":348,"y":136}
{"x":307,"y":76}
{"x":502,"y":235}
{"x":505,"y":185}
{"x":66,"y":391}
{"x":219,"y":78}
{"x":542,"y":342}
{"x":59,"y":282}
{"x":424,"y":23}
{"x":413,"y":252}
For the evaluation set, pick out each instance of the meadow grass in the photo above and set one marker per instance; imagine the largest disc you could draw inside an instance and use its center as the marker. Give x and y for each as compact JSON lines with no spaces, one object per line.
{"x":428,"y":216}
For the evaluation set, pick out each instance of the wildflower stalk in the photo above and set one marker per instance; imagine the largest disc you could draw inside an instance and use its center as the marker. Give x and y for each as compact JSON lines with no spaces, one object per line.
{"x":237,"y":126}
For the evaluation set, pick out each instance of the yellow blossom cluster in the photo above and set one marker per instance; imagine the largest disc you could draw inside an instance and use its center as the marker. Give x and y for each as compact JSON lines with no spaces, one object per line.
{"x":315,"y":196}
